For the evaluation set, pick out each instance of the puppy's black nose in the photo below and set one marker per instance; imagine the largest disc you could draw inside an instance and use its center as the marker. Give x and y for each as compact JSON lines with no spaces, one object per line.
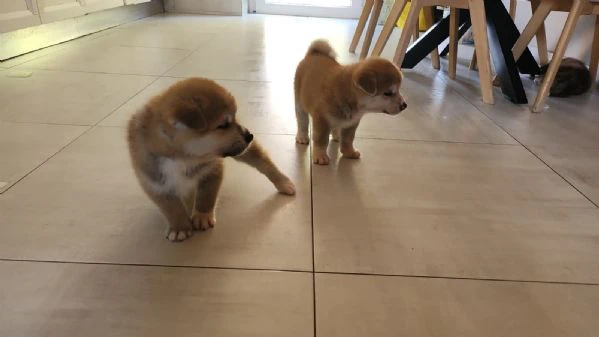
{"x":403,"y":106}
{"x":248,"y":137}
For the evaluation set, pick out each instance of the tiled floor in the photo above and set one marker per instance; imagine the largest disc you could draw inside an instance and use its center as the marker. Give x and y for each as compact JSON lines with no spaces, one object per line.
{"x":461,"y":219}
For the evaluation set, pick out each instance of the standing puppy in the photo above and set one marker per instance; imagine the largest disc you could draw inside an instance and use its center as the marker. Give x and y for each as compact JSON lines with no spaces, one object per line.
{"x":177,"y":144}
{"x":337,"y":97}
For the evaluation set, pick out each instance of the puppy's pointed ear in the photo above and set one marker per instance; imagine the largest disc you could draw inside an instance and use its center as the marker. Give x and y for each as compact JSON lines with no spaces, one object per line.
{"x":366,"y":81}
{"x":188,"y":115}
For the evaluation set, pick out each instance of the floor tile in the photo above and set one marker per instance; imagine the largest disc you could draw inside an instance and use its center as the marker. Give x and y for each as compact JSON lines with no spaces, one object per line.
{"x":435,"y":112}
{"x":85,"y":205}
{"x":359,"y":306}
{"x":158,"y":36}
{"x":81,"y":42}
{"x":113,"y":59}
{"x":566,"y":122}
{"x":579,"y":166}
{"x":25,"y":146}
{"x":65,"y":97}
{"x":264,"y":108}
{"x":48,"y":299}
{"x":453,"y":210}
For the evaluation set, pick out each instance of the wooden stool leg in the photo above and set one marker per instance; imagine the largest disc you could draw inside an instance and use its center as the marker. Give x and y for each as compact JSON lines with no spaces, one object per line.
{"x":406,"y":33}
{"x":539,"y":15}
{"x":394,"y":15}
{"x":374,"y":18}
{"x":575,"y":11}
{"x":453,"y":42}
{"x":595,"y":52}
{"x":481,"y":44}
{"x":429,"y":20}
{"x":361,"y":24}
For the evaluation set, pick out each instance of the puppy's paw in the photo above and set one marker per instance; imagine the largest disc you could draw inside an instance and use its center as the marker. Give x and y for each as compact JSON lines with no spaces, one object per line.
{"x":286,"y":187}
{"x":203,"y":221}
{"x":351,"y":154}
{"x":176,"y":235}
{"x":302,"y":139}
{"x":321,"y":159}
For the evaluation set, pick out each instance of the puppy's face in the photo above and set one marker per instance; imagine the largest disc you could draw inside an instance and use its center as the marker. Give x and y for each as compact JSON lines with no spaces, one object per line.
{"x":377,"y":82}
{"x":201,"y":120}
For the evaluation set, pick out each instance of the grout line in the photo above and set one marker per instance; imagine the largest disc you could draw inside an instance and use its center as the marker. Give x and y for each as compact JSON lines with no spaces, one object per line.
{"x":155,"y":265}
{"x":533,"y":153}
{"x":126,"y":101}
{"x":313,"y":244}
{"x":303,"y":272}
{"x":46,"y":160}
{"x":90,"y":127}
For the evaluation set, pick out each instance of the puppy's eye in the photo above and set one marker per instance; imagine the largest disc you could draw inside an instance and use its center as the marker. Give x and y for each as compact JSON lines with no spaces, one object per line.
{"x":388,"y":93}
{"x":224,"y":125}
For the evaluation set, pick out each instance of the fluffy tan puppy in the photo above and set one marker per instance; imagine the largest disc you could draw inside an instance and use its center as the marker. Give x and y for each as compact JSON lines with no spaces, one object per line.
{"x":337,"y":96}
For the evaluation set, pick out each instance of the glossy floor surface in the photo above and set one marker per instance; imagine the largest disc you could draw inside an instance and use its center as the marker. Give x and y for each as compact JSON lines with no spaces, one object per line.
{"x":461,"y":219}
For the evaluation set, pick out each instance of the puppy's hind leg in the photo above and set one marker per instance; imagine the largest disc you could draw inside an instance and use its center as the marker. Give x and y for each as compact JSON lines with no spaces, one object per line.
{"x":257,"y":157}
{"x":202,"y":216}
{"x":303,"y":124}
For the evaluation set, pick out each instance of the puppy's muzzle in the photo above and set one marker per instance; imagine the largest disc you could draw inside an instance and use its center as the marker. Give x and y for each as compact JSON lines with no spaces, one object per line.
{"x":240,"y":147}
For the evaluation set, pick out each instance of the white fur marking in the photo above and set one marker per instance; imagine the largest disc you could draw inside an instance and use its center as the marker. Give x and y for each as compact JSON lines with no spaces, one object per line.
{"x":202,"y":146}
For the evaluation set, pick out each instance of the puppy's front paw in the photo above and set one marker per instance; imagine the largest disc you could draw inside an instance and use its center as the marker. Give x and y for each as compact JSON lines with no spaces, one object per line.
{"x":321,"y":159}
{"x":351,"y":154}
{"x":177,"y":235}
{"x":203,"y":221}
{"x":286,"y":187}
{"x":302,"y":139}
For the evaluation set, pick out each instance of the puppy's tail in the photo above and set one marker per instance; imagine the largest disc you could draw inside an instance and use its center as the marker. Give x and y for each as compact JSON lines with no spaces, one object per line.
{"x":321,"y":47}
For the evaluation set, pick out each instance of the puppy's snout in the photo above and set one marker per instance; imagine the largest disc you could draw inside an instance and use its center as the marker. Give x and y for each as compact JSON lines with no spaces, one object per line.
{"x":403,"y":106}
{"x":248,"y":137}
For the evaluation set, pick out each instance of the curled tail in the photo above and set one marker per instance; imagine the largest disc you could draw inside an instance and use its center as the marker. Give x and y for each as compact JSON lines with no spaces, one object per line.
{"x":321,"y":47}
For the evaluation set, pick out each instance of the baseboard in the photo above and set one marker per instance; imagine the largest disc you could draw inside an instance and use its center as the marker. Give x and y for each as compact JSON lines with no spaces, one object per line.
{"x":211,"y":7}
{"x":26,"y":40}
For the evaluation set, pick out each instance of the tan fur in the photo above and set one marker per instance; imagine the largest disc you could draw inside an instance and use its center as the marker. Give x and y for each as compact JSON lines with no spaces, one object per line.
{"x":177,"y":143}
{"x":337,"y":96}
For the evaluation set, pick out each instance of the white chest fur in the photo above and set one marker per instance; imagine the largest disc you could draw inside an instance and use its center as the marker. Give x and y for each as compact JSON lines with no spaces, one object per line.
{"x":349,"y":120}
{"x":175,"y":177}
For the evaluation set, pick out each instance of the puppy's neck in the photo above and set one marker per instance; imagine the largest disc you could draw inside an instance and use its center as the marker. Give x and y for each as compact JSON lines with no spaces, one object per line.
{"x":344,"y":94}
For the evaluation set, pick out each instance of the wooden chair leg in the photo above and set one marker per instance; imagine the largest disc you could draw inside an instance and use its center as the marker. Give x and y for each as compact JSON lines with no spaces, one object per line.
{"x":406,"y":33}
{"x":537,"y":20}
{"x":361,"y":24}
{"x":562,"y":44}
{"x":513,"y":4}
{"x":416,"y":34}
{"x":453,"y":42}
{"x":473,"y":64}
{"x":541,"y":37}
{"x":595,"y":52}
{"x":374,"y":18}
{"x":429,"y":20}
{"x":481,"y":44}
{"x":394,"y":15}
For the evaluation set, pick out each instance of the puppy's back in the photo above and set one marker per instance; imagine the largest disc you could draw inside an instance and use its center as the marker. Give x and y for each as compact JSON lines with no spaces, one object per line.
{"x":316,"y":68}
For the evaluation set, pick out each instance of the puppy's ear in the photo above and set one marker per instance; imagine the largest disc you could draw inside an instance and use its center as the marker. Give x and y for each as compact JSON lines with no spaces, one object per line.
{"x":366,"y":81}
{"x":188,"y":115}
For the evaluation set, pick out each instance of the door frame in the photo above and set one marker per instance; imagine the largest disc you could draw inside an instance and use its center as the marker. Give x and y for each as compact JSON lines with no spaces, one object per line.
{"x":353,"y":12}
